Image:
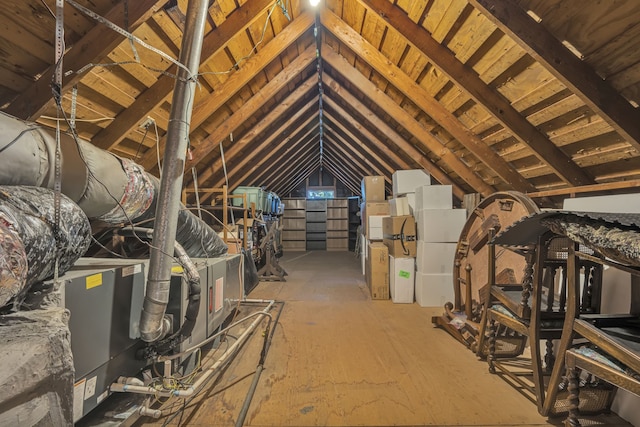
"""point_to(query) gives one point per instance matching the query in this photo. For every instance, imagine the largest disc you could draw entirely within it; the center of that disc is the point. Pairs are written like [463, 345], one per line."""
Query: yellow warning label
[94, 280]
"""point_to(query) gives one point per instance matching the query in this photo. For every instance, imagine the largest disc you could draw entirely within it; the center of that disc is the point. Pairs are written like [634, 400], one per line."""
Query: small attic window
[321, 193]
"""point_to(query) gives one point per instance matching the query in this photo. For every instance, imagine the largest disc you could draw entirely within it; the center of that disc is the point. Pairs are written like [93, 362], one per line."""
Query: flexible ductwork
[28, 238]
[106, 187]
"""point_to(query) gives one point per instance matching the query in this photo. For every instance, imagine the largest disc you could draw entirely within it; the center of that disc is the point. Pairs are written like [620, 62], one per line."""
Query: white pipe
[216, 335]
[119, 387]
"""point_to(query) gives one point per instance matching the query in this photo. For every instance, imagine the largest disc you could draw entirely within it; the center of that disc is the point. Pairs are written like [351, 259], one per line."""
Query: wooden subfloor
[340, 359]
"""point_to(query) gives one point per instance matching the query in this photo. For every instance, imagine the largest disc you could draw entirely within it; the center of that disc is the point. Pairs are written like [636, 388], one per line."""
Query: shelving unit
[354, 221]
[294, 225]
[337, 225]
[316, 215]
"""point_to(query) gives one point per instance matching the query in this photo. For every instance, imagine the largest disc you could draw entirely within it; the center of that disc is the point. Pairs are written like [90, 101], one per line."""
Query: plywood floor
[340, 359]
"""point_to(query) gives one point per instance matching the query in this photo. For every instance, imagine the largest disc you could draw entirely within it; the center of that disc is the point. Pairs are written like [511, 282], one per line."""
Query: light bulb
[314, 3]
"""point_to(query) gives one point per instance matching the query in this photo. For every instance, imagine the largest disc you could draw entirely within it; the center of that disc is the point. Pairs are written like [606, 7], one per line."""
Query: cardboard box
[434, 197]
[378, 271]
[372, 188]
[401, 279]
[435, 258]
[406, 181]
[399, 206]
[434, 290]
[440, 225]
[399, 234]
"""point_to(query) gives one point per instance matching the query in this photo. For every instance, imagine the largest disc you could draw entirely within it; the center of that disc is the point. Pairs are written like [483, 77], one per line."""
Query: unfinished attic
[319, 212]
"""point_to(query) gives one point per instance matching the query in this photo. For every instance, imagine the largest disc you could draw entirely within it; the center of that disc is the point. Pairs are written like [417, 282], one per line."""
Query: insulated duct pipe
[28, 236]
[168, 205]
[106, 187]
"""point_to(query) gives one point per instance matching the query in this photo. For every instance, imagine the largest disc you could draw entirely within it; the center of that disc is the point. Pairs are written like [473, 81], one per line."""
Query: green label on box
[404, 274]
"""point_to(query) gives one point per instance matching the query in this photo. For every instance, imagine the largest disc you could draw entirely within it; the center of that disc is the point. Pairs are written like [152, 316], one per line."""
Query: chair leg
[549, 358]
[574, 398]
[492, 346]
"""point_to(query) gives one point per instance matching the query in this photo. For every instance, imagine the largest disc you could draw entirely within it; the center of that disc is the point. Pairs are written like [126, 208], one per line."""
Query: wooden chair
[611, 351]
[537, 310]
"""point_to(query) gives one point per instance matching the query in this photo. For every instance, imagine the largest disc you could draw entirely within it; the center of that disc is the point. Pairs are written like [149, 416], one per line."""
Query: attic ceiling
[538, 96]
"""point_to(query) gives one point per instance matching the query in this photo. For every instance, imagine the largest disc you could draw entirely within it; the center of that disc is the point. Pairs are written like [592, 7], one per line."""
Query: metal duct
[28, 239]
[168, 205]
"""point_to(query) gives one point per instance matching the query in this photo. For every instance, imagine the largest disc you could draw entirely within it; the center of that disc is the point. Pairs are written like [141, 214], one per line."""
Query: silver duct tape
[137, 196]
[30, 212]
[13, 262]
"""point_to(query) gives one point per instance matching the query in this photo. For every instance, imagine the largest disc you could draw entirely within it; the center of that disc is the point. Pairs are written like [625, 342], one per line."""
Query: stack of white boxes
[402, 205]
[439, 227]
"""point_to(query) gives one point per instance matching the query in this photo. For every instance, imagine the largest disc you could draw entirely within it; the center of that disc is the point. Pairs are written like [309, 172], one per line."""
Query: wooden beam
[269, 52]
[283, 107]
[130, 118]
[414, 92]
[368, 115]
[361, 150]
[262, 149]
[250, 107]
[308, 161]
[91, 48]
[574, 73]
[466, 78]
[353, 156]
[338, 118]
[339, 174]
[350, 184]
[357, 171]
[273, 176]
[407, 121]
[608, 186]
[292, 149]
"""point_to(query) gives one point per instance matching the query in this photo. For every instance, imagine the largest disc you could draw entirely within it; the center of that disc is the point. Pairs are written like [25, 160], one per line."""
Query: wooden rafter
[410, 124]
[151, 98]
[538, 42]
[283, 107]
[409, 88]
[263, 149]
[275, 174]
[266, 174]
[391, 134]
[492, 100]
[252, 66]
[91, 48]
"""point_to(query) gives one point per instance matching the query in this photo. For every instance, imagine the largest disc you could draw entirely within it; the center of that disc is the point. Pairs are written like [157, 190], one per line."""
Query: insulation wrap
[137, 196]
[29, 213]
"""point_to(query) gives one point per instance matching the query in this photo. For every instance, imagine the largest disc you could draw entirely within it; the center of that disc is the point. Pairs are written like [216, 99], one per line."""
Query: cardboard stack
[439, 227]
[372, 210]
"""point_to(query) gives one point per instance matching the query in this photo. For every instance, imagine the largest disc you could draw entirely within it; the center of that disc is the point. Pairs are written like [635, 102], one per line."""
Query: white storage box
[434, 197]
[440, 225]
[399, 206]
[434, 290]
[406, 181]
[435, 258]
[374, 227]
[411, 198]
[619, 203]
[402, 279]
